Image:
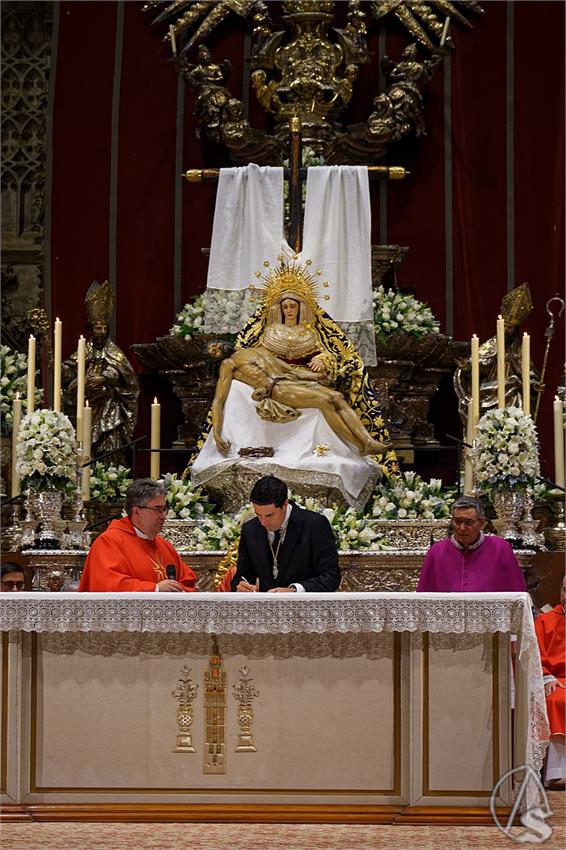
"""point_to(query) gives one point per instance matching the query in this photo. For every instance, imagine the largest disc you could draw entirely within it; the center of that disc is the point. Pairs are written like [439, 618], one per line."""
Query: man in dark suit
[285, 549]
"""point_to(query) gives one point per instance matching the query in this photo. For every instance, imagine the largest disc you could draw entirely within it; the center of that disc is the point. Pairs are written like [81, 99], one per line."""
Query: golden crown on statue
[289, 279]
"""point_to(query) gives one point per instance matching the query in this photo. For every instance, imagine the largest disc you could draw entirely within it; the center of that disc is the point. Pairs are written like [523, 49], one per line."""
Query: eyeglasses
[159, 510]
[13, 585]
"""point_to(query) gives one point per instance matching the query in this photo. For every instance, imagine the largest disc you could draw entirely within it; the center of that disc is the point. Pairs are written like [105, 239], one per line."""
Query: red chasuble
[119, 561]
[552, 644]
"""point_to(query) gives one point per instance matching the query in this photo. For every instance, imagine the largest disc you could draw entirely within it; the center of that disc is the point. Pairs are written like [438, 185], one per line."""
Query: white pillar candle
[81, 368]
[31, 375]
[468, 468]
[173, 42]
[57, 348]
[86, 450]
[558, 416]
[155, 442]
[500, 362]
[526, 373]
[16, 419]
[475, 383]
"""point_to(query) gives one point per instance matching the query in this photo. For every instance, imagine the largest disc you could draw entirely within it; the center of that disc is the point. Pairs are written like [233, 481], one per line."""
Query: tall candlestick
[81, 368]
[31, 375]
[86, 450]
[558, 416]
[468, 469]
[444, 32]
[475, 383]
[526, 373]
[500, 362]
[57, 348]
[155, 439]
[16, 419]
[173, 42]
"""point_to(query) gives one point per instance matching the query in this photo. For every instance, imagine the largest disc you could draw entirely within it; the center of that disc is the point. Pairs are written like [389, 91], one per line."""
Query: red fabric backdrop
[144, 123]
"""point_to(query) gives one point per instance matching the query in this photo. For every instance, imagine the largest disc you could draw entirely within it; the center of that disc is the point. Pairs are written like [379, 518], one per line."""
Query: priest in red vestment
[130, 555]
[550, 632]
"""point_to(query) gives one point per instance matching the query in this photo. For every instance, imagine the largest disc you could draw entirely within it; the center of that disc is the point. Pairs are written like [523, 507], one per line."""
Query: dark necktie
[275, 546]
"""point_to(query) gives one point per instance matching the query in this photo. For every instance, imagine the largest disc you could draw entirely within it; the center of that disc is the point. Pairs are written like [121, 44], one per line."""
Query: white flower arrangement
[190, 320]
[506, 450]
[13, 379]
[410, 497]
[394, 312]
[216, 532]
[46, 451]
[352, 529]
[108, 483]
[184, 500]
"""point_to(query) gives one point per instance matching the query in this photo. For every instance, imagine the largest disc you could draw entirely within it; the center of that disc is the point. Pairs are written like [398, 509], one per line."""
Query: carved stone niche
[191, 366]
[405, 378]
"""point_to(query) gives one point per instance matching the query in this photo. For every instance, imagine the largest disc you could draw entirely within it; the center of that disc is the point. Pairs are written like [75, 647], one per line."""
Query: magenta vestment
[490, 568]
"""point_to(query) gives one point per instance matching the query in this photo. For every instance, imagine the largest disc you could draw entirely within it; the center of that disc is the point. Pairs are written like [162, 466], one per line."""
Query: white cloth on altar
[294, 442]
[337, 237]
[247, 230]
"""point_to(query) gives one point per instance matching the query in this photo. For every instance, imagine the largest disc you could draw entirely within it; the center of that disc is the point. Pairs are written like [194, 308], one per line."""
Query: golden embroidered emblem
[320, 450]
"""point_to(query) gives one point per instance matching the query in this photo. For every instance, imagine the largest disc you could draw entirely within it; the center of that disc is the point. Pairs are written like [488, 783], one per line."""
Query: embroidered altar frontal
[383, 703]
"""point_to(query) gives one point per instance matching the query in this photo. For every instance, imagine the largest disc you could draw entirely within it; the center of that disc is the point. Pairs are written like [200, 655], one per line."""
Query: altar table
[368, 707]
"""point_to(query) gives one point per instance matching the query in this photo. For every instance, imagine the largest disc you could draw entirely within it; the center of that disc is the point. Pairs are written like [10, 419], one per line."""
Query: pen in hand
[249, 582]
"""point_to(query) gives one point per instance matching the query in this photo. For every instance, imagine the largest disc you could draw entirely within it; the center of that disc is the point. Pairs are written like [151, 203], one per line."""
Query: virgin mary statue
[294, 400]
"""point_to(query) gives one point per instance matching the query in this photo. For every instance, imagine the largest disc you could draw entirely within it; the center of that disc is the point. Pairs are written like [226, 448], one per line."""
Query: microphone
[460, 442]
[171, 572]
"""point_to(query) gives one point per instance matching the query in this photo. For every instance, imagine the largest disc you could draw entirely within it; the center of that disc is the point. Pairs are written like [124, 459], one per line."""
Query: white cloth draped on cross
[248, 230]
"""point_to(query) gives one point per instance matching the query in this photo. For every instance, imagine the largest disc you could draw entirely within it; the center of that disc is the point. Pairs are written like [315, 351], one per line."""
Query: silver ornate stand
[556, 536]
[509, 506]
[532, 539]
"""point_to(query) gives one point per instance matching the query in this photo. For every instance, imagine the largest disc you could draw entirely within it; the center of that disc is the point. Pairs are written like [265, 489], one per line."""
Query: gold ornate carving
[185, 693]
[304, 75]
[214, 713]
[244, 693]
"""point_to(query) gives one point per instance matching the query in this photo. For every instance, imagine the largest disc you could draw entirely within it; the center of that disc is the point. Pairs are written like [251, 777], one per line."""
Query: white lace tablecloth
[269, 613]
[283, 621]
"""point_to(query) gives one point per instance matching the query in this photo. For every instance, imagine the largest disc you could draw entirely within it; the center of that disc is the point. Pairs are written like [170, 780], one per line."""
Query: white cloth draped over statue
[248, 230]
[307, 455]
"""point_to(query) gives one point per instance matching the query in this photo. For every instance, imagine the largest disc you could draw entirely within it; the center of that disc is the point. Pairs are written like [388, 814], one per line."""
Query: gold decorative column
[214, 713]
[185, 692]
[244, 693]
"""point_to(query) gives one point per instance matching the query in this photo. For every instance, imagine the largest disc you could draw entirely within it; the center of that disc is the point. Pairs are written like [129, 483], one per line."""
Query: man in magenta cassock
[469, 560]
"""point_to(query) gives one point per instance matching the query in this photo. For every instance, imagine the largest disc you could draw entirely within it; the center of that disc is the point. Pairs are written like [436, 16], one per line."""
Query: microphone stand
[459, 444]
[113, 451]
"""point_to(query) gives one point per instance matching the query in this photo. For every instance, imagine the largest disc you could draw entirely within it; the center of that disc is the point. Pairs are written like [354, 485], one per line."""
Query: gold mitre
[290, 280]
[99, 302]
[517, 305]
